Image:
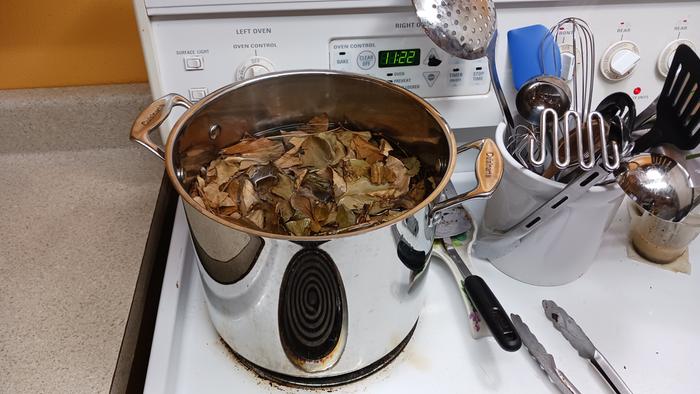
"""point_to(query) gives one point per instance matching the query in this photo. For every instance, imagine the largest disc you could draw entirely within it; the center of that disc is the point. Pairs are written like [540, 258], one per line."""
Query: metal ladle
[541, 93]
[659, 185]
[465, 29]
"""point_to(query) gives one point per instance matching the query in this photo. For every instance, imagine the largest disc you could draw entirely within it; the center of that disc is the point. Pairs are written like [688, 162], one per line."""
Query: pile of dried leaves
[311, 181]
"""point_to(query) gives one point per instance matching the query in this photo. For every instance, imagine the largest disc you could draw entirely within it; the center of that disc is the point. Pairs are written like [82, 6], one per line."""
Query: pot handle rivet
[214, 131]
[152, 117]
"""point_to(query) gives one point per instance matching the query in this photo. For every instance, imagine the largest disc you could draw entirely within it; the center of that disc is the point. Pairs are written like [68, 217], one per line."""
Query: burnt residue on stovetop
[327, 385]
[281, 386]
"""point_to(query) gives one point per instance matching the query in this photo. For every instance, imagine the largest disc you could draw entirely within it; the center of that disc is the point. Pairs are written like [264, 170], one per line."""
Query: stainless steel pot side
[380, 270]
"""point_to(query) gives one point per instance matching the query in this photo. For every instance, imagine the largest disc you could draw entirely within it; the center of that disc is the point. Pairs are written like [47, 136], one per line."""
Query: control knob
[619, 60]
[253, 67]
[663, 64]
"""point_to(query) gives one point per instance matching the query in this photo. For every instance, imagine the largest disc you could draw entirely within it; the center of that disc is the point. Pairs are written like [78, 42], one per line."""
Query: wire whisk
[583, 47]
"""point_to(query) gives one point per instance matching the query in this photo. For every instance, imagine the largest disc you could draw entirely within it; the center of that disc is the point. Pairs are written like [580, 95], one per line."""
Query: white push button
[365, 60]
[624, 61]
[197, 94]
[193, 63]
[431, 77]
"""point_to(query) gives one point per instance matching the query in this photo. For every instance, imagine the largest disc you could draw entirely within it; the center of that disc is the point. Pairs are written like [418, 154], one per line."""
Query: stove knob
[619, 60]
[253, 67]
[666, 56]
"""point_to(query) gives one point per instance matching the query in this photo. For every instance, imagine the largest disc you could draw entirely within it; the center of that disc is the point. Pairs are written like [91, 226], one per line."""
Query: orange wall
[75, 42]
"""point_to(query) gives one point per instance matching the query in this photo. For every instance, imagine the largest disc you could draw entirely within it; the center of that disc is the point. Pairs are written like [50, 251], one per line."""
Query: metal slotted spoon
[465, 29]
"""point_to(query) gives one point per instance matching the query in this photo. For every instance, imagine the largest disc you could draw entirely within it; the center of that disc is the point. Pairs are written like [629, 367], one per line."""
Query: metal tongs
[578, 339]
[583, 345]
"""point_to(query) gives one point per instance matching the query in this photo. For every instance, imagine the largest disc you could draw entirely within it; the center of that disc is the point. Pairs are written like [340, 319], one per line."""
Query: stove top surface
[639, 316]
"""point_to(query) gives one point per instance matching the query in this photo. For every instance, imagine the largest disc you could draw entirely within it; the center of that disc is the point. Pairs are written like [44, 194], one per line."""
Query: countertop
[77, 200]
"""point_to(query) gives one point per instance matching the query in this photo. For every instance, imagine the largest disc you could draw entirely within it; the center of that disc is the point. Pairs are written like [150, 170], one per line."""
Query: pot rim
[178, 128]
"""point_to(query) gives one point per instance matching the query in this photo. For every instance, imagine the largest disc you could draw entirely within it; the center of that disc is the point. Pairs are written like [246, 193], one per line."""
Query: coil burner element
[312, 311]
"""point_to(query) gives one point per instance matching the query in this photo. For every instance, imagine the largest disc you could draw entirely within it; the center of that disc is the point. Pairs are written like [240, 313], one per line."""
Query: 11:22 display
[399, 58]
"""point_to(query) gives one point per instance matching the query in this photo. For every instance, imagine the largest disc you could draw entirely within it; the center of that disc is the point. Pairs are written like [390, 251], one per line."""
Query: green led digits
[399, 58]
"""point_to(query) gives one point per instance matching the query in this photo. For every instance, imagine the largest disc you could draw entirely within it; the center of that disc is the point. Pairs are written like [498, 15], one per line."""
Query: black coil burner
[311, 306]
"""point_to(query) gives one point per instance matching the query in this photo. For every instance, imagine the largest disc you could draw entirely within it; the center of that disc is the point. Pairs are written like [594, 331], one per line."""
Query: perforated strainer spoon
[465, 29]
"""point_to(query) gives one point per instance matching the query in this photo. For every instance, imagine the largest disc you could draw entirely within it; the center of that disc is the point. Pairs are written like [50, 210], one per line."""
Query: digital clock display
[399, 58]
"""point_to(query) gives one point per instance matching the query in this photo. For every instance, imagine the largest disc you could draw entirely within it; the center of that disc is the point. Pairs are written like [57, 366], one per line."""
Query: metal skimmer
[465, 29]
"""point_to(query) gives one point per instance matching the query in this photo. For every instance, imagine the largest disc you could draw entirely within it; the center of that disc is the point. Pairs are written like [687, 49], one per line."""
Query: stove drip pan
[330, 381]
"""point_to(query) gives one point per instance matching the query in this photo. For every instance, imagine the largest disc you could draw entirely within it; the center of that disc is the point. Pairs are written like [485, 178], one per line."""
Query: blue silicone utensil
[533, 53]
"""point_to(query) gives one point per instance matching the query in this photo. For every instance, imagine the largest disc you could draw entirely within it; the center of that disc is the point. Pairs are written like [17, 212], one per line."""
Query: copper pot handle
[152, 117]
[488, 169]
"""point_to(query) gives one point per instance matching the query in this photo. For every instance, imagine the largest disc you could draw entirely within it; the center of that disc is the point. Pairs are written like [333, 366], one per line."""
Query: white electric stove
[641, 317]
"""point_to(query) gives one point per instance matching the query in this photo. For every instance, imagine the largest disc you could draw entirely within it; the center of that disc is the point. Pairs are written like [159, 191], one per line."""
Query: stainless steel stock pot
[305, 309]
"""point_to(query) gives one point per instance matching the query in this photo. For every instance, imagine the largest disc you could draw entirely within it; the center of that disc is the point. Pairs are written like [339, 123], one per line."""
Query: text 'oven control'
[619, 60]
[253, 67]
[663, 64]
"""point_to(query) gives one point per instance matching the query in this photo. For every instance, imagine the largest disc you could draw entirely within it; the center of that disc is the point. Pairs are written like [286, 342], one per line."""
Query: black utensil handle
[652, 138]
[492, 312]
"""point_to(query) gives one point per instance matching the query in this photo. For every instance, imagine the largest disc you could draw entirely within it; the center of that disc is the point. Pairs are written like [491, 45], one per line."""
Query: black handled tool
[483, 299]
[454, 221]
[677, 117]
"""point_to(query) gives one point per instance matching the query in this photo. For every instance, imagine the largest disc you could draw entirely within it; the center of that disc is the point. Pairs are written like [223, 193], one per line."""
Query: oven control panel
[413, 62]
[194, 51]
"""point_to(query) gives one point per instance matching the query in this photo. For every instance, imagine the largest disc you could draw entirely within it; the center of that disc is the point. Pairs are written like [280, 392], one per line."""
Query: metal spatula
[678, 108]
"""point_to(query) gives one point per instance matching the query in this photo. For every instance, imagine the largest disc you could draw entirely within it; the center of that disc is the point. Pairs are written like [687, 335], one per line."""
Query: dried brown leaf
[388, 175]
[339, 184]
[299, 227]
[302, 204]
[337, 148]
[346, 137]
[412, 164]
[257, 217]
[288, 161]
[384, 147]
[417, 192]
[233, 190]
[321, 212]
[402, 180]
[316, 124]
[296, 143]
[331, 217]
[284, 186]
[345, 217]
[315, 226]
[248, 196]
[284, 210]
[354, 169]
[300, 175]
[199, 201]
[376, 173]
[224, 170]
[362, 192]
[260, 149]
[214, 197]
[366, 150]
[319, 186]
[317, 153]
